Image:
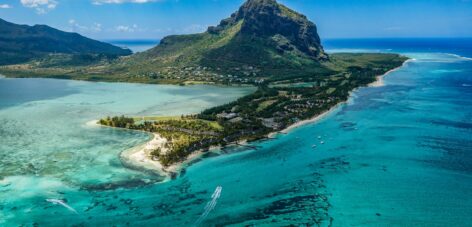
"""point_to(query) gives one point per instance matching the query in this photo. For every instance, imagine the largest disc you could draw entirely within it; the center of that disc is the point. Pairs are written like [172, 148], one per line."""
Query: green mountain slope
[262, 42]
[22, 43]
[263, 37]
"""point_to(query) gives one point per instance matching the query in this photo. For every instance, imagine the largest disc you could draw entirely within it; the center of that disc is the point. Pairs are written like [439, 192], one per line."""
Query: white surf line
[62, 203]
[210, 205]
[460, 57]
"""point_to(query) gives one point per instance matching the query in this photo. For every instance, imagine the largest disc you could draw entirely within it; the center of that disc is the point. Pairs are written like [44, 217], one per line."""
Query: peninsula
[263, 44]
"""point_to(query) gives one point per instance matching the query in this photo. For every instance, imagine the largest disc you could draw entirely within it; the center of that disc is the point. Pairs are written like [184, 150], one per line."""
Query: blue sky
[153, 19]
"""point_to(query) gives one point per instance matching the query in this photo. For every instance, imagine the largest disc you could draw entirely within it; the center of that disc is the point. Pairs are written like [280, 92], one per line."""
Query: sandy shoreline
[140, 156]
[379, 82]
[308, 121]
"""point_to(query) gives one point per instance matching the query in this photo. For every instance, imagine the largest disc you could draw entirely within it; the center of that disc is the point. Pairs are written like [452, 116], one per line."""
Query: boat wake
[210, 205]
[62, 203]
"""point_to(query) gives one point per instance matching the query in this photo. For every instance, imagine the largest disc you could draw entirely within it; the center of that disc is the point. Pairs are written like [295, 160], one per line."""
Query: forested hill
[22, 43]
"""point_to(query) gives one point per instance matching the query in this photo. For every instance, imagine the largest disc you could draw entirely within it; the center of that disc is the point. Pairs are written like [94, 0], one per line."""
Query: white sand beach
[308, 121]
[379, 82]
[140, 156]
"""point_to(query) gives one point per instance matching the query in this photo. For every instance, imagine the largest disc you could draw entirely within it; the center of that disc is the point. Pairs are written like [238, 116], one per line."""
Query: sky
[154, 19]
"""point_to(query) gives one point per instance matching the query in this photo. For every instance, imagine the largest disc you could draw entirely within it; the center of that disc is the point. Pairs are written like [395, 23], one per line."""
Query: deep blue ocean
[396, 155]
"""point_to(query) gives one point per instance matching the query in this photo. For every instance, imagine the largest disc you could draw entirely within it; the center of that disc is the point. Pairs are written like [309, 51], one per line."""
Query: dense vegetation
[22, 43]
[184, 134]
[119, 122]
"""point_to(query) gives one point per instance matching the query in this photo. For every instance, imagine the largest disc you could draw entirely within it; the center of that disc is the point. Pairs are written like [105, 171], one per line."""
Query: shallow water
[398, 155]
[49, 141]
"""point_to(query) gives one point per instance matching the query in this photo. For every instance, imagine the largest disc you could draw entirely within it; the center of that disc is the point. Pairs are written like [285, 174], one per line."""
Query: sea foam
[460, 57]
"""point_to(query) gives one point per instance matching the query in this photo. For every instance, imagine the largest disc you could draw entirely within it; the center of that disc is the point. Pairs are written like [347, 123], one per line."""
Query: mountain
[262, 35]
[21, 43]
[262, 42]
[282, 27]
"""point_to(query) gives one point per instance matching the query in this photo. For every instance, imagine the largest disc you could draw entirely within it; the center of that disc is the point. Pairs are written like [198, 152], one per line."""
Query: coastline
[308, 121]
[379, 82]
[139, 157]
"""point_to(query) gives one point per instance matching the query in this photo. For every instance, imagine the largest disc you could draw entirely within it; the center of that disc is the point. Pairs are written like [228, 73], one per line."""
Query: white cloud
[123, 28]
[193, 28]
[127, 28]
[5, 6]
[76, 27]
[96, 27]
[100, 2]
[41, 6]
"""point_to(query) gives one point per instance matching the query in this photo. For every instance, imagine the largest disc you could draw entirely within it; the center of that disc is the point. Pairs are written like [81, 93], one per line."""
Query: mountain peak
[257, 5]
[270, 20]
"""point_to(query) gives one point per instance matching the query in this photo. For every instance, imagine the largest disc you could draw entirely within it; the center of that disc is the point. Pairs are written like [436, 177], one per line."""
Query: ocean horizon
[461, 46]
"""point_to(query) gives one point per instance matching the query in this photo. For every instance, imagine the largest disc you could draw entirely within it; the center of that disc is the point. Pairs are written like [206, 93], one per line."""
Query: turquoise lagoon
[397, 155]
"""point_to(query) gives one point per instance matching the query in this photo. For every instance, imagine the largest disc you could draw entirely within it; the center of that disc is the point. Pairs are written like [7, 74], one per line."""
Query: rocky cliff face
[284, 27]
